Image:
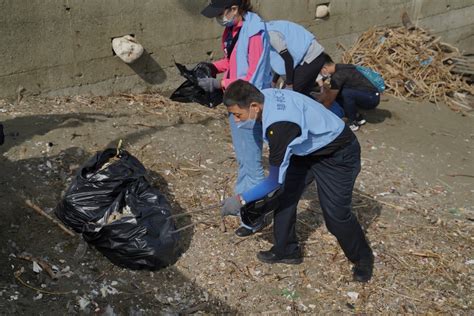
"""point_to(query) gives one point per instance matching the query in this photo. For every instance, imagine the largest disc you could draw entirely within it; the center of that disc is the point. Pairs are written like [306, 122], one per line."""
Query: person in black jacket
[351, 89]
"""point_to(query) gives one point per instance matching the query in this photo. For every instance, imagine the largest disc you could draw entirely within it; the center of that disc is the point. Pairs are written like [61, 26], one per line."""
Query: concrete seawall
[63, 47]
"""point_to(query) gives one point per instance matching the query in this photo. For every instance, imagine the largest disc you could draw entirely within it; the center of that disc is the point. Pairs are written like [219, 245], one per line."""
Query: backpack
[374, 77]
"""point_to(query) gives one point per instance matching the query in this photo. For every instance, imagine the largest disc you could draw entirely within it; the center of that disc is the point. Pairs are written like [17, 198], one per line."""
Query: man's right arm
[278, 42]
[329, 95]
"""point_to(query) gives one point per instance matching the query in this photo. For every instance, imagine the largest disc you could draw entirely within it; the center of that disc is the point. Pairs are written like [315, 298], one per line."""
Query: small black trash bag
[259, 214]
[116, 209]
[190, 91]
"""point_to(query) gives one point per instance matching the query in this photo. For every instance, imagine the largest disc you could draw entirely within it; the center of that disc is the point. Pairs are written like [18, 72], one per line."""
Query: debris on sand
[414, 64]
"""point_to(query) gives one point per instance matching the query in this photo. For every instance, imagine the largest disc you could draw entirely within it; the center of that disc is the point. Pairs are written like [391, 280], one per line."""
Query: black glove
[231, 206]
[209, 84]
[2, 135]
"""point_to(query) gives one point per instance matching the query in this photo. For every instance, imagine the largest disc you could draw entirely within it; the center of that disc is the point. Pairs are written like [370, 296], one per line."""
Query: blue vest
[319, 126]
[254, 25]
[298, 40]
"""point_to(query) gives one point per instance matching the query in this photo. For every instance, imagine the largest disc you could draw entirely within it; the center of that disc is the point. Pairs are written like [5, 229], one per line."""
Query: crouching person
[351, 89]
[303, 136]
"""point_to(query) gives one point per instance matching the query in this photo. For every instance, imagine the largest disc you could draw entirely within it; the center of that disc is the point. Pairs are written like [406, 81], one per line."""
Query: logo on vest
[280, 100]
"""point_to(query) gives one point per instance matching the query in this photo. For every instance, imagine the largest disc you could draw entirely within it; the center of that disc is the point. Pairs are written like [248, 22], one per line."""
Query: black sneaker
[270, 257]
[363, 269]
[243, 231]
[360, 120]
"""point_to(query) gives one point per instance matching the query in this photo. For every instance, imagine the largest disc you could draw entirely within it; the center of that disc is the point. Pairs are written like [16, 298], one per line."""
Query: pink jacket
[229, 66]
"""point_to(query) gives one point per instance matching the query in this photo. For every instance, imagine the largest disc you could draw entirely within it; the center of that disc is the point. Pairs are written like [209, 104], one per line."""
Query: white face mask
[224, 21]
[249, 123]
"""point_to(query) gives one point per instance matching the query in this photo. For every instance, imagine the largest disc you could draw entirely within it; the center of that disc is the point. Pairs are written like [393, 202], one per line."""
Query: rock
[127, 48]
[322, 11]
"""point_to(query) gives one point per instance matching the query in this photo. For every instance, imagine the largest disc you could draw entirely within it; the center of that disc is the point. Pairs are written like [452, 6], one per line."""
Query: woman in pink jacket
[246, 48]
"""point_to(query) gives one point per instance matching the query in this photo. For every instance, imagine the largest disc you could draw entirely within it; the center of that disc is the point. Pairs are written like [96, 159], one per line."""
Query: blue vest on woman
[298, 40]
[254, 25]
[319, 126]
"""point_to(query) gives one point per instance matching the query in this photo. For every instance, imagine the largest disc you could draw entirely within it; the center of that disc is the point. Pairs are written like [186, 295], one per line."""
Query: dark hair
[245, 7]
[327, 59]
[242, 93]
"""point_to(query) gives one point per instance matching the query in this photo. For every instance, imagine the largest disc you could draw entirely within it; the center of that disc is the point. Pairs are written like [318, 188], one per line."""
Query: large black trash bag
[115, 208]
[190, 91]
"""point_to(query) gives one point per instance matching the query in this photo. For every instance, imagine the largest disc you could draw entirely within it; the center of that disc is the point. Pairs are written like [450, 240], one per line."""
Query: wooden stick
[223, 226]
[38, 210]
[399, 208]
[17, 275]
[192, 225]
[460, 175]
[399, 294]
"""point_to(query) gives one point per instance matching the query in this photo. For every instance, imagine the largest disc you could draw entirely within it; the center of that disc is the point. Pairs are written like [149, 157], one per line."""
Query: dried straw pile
[414, 64]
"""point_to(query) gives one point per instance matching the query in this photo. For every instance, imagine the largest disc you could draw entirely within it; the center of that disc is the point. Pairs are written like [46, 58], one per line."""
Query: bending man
[303, 136]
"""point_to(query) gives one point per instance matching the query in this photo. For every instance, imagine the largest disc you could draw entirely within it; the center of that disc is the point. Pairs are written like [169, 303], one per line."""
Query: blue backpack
[374, 77]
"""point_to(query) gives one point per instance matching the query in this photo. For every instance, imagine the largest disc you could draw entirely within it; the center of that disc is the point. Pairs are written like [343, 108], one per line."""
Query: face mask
[223, 21]
[248, 124]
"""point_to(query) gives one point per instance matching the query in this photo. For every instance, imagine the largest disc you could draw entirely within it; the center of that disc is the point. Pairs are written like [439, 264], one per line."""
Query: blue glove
[231, 206]
[209, 84]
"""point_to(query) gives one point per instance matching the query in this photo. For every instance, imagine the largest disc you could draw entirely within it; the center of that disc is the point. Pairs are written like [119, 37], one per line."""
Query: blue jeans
[350, 99]
[337, 109]
[248, 151]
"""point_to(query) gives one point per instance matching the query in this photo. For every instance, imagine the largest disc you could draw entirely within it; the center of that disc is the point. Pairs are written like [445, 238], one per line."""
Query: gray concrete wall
[63, 47]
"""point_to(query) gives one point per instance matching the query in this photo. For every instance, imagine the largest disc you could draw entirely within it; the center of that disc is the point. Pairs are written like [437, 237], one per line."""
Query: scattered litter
[39, 265]
[109, 311]
[83, 303]
[81, 249]
[353, 295]
[108, 290]
[36, 267]
[38, 297]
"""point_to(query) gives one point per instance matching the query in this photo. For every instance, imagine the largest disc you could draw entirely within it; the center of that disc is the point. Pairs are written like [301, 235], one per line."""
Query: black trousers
[305, 75]
[335, 175]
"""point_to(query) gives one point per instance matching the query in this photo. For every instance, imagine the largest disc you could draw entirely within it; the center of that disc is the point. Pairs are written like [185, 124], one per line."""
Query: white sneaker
[360, 120]
[354, 126]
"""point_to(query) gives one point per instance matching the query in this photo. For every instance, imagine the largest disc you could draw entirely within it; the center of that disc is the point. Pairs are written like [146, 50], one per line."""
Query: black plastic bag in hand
[259, 214]
[2, 135]
[190, 91]
[115, 208]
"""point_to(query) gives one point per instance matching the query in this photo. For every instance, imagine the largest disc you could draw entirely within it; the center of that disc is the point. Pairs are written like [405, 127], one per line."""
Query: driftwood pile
[415, 65]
